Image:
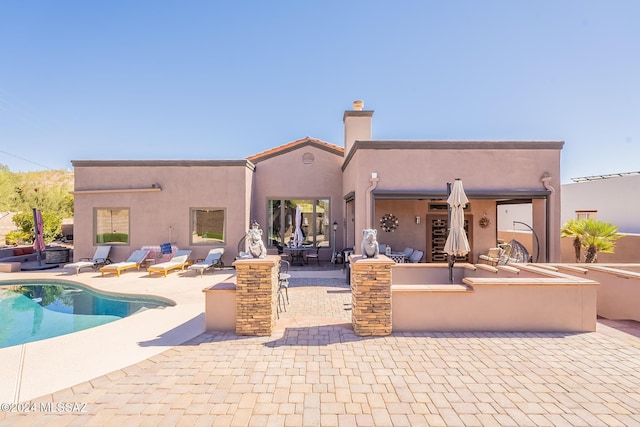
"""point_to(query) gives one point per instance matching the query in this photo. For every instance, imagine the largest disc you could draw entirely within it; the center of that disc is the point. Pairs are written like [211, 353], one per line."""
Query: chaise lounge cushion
[179, 261]
[135, 260]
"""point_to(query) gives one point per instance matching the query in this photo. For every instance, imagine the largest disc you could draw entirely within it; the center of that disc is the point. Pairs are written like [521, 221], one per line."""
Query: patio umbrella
[38, 241]
[298, 238]
[457, 243]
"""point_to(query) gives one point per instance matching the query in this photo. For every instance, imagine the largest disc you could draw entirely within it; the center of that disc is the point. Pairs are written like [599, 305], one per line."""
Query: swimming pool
[36, 310]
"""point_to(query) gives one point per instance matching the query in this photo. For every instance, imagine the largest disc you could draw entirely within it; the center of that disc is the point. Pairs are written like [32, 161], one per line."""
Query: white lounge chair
[214, 257]
[179, 261]
[100, 258]
[135, 260]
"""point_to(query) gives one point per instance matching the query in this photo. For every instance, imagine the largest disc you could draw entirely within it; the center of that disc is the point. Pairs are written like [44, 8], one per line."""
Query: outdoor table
[398, 257]
[297, 254]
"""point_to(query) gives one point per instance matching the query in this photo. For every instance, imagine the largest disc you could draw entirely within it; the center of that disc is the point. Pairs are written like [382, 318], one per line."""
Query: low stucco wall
[220, 306]
[540, 297]
[618, 295]
[492, 299]
[423, 273]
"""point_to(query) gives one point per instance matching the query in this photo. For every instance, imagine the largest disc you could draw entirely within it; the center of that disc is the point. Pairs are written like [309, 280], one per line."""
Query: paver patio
[315, 372]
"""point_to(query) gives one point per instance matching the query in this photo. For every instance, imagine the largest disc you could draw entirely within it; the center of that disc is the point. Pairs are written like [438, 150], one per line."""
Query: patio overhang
[440, 194]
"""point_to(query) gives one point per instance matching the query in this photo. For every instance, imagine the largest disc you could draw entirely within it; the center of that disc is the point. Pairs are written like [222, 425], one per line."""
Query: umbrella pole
[35, 228]
[450, 258]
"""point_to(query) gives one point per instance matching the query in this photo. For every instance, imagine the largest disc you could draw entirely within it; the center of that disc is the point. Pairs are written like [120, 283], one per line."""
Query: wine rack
[437, 229]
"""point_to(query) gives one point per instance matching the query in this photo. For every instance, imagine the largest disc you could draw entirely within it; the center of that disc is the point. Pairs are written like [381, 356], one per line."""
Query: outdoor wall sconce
[374, 175]
[334, 256]
[417, 220]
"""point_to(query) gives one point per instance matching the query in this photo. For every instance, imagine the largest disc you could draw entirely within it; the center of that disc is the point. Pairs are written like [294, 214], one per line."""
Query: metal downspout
[374, 183]
[546, 182]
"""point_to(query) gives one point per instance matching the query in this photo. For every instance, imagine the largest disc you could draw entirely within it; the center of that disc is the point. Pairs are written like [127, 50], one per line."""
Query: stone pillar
[371, 295]
[256, 295]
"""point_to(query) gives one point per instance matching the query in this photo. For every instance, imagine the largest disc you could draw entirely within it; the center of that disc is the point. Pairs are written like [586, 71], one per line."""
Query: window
[591, 214]
[207, 226]
[112, 225]
[314, 222]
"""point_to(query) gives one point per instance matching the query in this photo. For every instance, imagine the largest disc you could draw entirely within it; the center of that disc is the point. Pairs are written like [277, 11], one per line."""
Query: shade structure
[457, 243]
[298, 237]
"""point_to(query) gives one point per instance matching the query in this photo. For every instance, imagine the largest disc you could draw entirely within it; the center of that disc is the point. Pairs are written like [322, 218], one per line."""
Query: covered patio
[422, 220]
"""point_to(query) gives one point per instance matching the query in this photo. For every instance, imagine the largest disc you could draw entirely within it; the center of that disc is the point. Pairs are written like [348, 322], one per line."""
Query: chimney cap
[358, 105]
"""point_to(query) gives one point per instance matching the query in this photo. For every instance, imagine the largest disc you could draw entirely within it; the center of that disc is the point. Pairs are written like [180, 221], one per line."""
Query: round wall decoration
[389, 222]
[484, 222]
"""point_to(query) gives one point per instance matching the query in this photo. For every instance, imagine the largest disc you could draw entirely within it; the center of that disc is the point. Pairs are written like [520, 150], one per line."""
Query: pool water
[36, 311]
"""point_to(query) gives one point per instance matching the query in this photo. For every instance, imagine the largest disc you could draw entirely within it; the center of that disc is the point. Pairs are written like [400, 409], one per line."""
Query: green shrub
[52, 225]
[17, 237]
[112, 238]
[217, 236]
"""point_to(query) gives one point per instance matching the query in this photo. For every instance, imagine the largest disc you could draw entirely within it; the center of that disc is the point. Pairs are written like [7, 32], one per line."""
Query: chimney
[357, 125]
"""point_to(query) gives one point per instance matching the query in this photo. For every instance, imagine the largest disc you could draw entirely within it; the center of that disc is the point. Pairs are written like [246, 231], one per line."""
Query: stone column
[256, 295]
[371, 295]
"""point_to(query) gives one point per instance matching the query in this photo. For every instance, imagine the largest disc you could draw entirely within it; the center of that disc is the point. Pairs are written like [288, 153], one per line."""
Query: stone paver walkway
[315, 372]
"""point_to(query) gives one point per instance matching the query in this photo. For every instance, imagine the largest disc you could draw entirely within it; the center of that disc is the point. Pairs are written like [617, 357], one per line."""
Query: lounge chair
[213, 258]
[408, 251]
[492, 257]
[416, 256]
[179, 261]
[100, 258]
[135, 260]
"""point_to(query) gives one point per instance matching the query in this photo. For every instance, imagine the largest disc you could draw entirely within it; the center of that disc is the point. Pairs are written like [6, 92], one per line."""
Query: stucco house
[604, 197]
[200, 204]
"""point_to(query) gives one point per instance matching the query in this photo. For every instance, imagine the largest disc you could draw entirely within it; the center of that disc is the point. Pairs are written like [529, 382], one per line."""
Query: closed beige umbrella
[457, 243]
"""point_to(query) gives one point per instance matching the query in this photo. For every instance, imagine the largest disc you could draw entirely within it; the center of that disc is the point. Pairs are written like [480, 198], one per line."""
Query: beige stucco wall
[484, 166]
[286, 176]
[627, 249]
[497, 307]
[619, 289]
[483, 298]
[161, 216]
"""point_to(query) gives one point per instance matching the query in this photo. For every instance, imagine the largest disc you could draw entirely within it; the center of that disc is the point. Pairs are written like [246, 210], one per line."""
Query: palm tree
[598, 237]
[574, 228]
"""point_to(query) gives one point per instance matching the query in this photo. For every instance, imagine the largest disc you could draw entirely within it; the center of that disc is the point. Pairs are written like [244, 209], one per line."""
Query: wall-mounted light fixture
[417, 220]
[374, 175]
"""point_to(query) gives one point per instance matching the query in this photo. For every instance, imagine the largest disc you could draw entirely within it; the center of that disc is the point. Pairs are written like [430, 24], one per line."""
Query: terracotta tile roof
[295, 145]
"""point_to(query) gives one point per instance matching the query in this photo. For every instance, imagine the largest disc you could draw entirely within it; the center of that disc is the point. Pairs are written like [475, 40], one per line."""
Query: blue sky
[227, 79]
